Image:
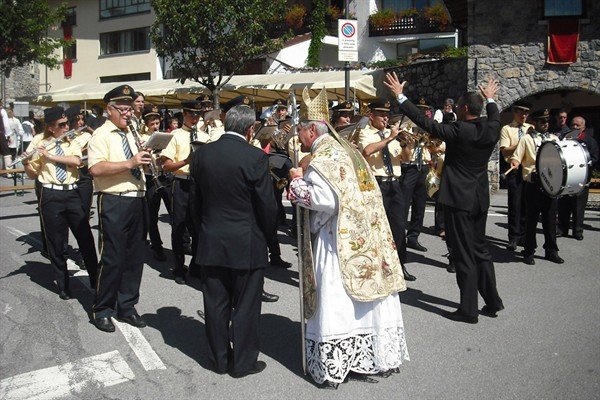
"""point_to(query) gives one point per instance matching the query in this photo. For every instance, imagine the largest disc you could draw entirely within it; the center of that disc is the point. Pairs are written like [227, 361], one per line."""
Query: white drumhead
[550, 168]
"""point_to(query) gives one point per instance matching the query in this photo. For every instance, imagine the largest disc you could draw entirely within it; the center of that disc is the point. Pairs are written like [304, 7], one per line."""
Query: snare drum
[563, 167]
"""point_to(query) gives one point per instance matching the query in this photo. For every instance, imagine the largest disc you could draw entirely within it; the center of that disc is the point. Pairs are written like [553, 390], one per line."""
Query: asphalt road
[544, 345]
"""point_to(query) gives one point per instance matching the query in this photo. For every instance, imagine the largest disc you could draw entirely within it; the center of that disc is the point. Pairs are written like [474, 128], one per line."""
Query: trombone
[69, 135]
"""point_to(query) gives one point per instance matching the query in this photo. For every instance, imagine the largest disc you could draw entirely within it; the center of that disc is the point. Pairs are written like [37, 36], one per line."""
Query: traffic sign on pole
[347, 40]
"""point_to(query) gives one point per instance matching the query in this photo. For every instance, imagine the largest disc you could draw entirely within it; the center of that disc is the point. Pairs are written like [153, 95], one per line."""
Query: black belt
[183, 177]
[413, 164]
[382, 179]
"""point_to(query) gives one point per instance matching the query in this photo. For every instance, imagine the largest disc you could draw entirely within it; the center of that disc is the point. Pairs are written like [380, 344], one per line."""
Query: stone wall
[512, 44]
[435, 80]
[22, 84]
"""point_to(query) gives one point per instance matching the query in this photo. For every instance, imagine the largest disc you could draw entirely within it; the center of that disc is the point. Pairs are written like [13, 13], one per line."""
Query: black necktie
[387, 157]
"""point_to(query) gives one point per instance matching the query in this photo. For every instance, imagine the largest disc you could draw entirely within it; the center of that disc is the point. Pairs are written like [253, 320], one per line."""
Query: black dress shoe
[64, 295]
[490, 312]
[529, 260]
[180, 280]
[512, 245]
[415, 245]
[450, 268]
[579, 236]
[555, 258]
[559, 233]
[269, 298]
[460, 317]
[407, 275]
[278, 262]
[104, 324]
[133, 320]
[258, 367]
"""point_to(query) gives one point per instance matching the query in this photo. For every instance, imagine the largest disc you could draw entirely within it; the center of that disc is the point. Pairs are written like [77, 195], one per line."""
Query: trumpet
[153, 167]
[69, 135]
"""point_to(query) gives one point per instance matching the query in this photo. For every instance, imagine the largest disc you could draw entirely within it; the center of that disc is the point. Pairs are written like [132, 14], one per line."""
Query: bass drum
[563, 167]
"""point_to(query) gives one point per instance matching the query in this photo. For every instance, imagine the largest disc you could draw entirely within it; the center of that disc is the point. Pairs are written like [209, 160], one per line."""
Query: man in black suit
[237, 211]
[464, 192]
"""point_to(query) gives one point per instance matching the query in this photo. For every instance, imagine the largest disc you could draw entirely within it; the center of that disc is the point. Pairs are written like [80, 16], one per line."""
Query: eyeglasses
[123, 110]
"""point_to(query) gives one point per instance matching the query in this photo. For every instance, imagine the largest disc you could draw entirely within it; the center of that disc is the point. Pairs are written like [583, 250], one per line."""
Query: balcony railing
[409, 25]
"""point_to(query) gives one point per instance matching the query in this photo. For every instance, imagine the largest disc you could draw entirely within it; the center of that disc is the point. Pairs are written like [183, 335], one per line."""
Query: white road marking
[134, 337]
[103, 370]
[140, 346]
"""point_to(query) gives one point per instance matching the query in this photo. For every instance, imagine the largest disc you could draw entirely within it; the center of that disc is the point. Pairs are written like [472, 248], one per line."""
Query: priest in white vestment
[352, 309]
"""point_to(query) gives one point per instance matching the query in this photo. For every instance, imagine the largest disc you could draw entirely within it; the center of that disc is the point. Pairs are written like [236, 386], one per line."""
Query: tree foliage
[318, 33]
[210, 41]
[23, 33]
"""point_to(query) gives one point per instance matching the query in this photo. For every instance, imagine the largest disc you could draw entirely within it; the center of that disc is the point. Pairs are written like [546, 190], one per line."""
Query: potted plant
[409, 13]
[382, 19]
[294, 18]
[438, 15]
[333, 13]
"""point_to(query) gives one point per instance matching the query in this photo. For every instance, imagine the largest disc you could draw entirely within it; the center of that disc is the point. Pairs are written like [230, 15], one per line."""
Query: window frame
[582, 15]
[124, 7]
[143, 31]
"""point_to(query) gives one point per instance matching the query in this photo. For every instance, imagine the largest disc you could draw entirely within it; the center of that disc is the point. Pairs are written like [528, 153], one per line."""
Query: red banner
[563, 37]
[68, 67]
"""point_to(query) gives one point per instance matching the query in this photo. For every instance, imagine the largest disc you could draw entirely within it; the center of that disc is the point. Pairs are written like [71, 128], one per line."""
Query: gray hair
[320, 127]
[239, 119]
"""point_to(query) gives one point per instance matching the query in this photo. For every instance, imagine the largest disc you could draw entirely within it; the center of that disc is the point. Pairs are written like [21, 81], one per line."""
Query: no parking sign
[347, 40]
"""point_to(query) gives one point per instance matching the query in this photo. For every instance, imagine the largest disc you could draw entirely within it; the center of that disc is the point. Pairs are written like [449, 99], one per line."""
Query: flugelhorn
[69, 135]
[280, 183]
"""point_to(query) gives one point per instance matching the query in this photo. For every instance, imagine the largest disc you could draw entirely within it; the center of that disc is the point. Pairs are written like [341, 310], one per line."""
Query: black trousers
[153, 198]
[539, 202]
[232, 304]
[415, 195]
[85, 188]
[396, 210]
[516, 205]
[61, 210]
[38, 193]
[438, 217]
[121, 255]
[183, 220]
[574, 205]
[465, 234]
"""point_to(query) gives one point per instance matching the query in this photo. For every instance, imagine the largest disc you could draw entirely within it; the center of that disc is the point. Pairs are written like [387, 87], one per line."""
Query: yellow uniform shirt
[509, 136]
[178, 149]
[210, 133]
[370, 135]
[526, 153]
[47, 170]
[106, 145]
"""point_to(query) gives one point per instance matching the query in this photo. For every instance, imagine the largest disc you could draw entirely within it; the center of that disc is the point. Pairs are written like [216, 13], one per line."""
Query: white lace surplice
[344, 334]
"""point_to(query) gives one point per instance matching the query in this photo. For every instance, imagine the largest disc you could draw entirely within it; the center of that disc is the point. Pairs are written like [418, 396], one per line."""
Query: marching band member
[151, 123]
[59, 203]
[342, 114]
[575, 205]
[383, 152]
[415, 167]
[536, 200]
[114, 161]
[176, 158]
[509, 138]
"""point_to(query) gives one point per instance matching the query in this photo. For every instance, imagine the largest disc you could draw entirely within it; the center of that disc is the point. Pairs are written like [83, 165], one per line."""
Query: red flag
[563, 37]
